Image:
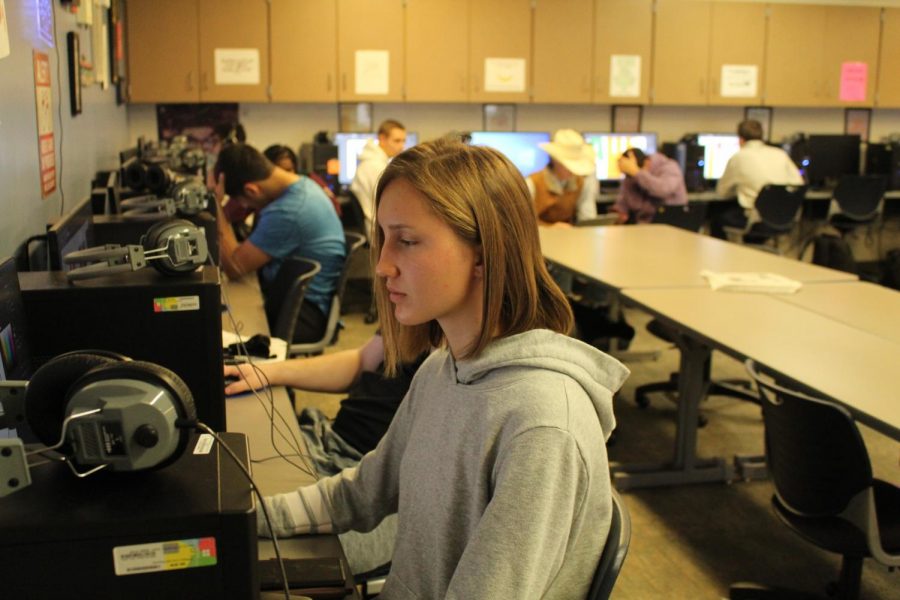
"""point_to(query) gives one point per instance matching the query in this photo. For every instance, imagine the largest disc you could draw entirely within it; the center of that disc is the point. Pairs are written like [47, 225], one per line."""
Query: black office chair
[824, 488]
[690, 216]
[858, 200]
[779, 208]
[284, 296]
[354, 242]
[614, 551]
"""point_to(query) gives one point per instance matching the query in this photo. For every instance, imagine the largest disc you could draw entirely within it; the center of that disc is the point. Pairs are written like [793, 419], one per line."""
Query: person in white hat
[565, 191]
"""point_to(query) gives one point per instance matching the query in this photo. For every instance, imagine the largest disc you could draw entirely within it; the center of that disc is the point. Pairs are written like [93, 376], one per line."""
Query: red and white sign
[44, 103]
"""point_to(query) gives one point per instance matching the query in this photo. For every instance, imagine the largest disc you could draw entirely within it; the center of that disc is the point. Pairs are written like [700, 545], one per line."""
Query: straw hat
[570, 149]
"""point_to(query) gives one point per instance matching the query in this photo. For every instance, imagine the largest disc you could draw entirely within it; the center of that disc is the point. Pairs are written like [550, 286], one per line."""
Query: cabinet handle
[713, 86]
[328, 83]
[343, 82]
[203, 82]
[190, 81]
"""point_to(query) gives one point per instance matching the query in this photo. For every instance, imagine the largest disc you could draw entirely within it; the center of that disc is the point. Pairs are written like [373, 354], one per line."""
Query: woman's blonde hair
[480, 194]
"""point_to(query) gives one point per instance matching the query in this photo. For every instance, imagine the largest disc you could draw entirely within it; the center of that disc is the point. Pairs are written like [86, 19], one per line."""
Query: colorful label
[176, 304]
[165, 556]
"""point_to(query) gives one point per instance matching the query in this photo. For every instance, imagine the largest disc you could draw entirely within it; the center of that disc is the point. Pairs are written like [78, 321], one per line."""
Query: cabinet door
[367, 28]
[303, 42]
[562, 51]
[681, 51]
[500, 29]
[437, 51]
[889, 66]
[738, 39]
[234, 50]
[851, 36]
[794, 73]
[622, 28]
[162, 43]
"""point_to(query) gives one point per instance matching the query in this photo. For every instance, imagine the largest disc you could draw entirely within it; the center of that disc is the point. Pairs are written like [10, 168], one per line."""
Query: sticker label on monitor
[176, 304]
[204, 444]
[165, 556]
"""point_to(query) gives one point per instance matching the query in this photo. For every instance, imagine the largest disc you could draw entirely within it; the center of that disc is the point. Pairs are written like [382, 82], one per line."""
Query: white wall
[84, 144]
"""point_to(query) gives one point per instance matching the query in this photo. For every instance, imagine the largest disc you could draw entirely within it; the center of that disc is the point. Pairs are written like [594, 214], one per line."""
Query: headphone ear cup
[48, 391]
[157, 237]
[157, 375]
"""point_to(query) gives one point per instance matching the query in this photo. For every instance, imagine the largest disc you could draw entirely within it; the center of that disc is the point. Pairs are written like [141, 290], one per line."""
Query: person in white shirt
[372, 161]
[754, 166]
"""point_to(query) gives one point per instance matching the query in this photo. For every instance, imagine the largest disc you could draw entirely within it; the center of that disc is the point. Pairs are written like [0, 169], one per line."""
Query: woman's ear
[478, 272]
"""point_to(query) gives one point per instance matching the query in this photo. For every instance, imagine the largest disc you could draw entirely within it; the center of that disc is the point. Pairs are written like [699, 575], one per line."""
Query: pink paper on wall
[854, 79]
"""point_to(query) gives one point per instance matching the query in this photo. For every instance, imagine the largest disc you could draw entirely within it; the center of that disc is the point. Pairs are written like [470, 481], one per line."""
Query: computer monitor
[830, 156]
[608, 147]
[74, 231]
[350, 145]
[718, 149]
[15, 358]
[520, 147]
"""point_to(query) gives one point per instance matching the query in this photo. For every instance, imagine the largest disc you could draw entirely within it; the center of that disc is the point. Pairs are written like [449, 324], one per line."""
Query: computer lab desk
[654, 267]
[246, 414]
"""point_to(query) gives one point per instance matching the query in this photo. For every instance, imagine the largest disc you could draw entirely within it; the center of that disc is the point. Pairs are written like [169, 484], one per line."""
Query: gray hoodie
[497, 467]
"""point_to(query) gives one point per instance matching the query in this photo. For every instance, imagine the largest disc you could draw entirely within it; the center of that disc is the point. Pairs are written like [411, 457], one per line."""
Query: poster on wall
[44, 104]
[4, 32]
[45, 21]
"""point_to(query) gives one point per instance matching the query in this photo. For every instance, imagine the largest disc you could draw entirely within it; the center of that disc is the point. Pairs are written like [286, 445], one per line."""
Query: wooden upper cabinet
[500, 29]
[889, 66]
[681, 48]
[367, 29]
[437, 51]
[303, 42]
[737, 42]
[163, 64]
[562, 51]
[811, 47]
[624, 29]
[234, 50]
[851, 36]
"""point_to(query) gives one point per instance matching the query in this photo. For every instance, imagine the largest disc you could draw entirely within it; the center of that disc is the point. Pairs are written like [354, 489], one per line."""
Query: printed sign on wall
[44, 104]
[4, 32]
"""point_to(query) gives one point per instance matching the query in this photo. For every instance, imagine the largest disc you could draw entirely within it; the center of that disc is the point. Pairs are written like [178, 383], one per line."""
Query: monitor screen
[74, 231]
[608, 147]
[520, 147]
[349, 146]
[15, 359]
[830, 156]
[718, 149]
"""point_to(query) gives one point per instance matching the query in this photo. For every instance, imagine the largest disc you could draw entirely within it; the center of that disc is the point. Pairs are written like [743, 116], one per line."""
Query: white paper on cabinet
[237, 66]
[504, 74]
[372, 72]
[4, 31]
[625, 75]
[739, 81]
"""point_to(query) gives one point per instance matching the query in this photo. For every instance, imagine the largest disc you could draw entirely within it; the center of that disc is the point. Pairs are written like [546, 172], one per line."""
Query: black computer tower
[185, 531]
[117, 229]
[694, 155]
[884, 159]
[172, 321]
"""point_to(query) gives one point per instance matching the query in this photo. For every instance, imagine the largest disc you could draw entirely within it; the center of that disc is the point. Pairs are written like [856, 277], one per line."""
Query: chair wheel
[702, 420]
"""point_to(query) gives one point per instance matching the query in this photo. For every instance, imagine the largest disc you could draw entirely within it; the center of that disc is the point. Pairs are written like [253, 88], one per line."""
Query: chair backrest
[815, 454]
[614, 551]
[689, 216]
[779, 205]
[354, 241]
[284, 295]
[859, 196]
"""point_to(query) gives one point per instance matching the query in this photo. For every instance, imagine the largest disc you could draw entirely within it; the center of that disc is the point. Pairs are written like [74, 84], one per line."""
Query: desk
[247, 415]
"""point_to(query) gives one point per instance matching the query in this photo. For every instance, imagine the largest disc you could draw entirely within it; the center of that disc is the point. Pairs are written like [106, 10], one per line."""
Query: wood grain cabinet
[809, 47]
[303, 40]
[562, 53]
[737, 41]
[680, 51]
[366, 30]
[499, 29]
[437, 51]
[192, 50]
[622, 28]
[888, 95]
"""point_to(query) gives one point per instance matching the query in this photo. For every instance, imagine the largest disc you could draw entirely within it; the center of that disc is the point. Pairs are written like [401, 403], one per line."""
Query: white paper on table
[373, 69]
[739, 81]
[504, 74]
[625, 75]
[236, 66]
[767, 283]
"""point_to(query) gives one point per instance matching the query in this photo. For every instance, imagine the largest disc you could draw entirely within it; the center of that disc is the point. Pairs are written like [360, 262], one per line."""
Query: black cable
[62, 193]
[205, 428]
